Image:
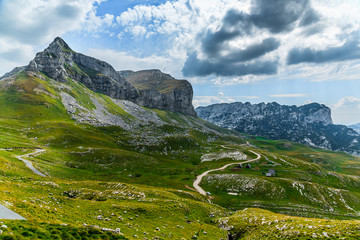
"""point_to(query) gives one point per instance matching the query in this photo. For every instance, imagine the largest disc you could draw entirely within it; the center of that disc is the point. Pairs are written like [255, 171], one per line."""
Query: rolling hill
[118, 170]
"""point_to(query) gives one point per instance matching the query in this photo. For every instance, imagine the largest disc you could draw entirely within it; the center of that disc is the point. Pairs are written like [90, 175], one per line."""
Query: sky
[292, 52]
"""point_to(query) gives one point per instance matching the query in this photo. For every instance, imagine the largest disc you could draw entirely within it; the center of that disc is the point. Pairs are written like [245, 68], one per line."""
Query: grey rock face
[13, 72]
[161, 91]
[59, 62]
[309, 124]
[100, 116]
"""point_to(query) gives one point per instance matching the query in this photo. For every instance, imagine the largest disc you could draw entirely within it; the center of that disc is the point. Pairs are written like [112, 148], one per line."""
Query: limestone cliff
[310, 124]
[162, 91]
[150, 88]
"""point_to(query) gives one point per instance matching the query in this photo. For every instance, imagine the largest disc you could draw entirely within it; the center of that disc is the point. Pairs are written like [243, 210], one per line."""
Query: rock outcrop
[161, 91]
[149, 88]
[59, 62]
[309, 124]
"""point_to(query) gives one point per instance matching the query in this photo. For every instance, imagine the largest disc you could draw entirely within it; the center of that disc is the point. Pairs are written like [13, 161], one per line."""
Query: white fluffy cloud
[124, 61]
[27, 24]
[186, 22]
[346, 101]
[346, 110]
[34, 21]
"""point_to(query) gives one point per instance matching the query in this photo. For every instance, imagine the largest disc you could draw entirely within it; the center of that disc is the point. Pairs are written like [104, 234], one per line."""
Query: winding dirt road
[29, 164]
[6, 213]
[200, 177]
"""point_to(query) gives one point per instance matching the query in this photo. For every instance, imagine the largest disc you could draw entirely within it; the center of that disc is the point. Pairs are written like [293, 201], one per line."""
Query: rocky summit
[161, 91]
[151, 88]
[310, 124]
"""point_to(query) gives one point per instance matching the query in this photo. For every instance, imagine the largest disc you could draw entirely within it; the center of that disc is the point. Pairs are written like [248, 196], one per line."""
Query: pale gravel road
[200, 177]
[29, 164]
[6, 213]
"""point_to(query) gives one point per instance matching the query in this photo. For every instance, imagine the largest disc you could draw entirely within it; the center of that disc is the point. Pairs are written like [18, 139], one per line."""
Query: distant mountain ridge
[310, 124]
[60, 62]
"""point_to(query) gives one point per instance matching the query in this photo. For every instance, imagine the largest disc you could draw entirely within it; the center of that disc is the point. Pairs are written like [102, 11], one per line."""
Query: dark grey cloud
[273, 16]
[310, 17]
[235, 24]
[213, 43]
[253, 51]
[281, 16]
[349, 51]
[14, 55]
[67, 11]
[197, 67]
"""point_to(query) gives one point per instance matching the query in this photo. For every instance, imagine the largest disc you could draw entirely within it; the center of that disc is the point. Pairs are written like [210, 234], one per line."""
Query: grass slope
[136, 179]
[261, 224]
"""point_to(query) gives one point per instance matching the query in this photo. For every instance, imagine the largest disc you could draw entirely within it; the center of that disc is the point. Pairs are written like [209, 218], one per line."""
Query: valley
[76, 161]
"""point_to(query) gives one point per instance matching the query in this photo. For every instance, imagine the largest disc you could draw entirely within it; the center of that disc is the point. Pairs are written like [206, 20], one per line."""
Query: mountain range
[310, 124]
[148, 88]
[117, 155]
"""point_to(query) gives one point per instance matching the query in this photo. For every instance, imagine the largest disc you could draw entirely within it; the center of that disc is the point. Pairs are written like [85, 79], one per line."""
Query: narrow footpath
[6, 213]
[200, 177]
[29, 164]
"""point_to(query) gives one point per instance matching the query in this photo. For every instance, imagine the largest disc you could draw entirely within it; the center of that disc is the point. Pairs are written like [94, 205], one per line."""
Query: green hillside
[133, 168]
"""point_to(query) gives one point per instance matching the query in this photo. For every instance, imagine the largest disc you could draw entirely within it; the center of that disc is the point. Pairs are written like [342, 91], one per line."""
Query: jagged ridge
[309, 124]
[60, 62]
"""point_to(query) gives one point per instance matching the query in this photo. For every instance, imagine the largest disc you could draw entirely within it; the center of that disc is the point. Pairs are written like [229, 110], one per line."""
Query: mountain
[60, 63]
[113, 169]
[310, 124]
[161, 91]
[356, 127]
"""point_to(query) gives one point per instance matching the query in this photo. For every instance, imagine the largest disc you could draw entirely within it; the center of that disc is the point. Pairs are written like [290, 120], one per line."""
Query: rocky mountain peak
[149, 88]
[58, 45]
[161, 90]
[317, 113]
[310, 124]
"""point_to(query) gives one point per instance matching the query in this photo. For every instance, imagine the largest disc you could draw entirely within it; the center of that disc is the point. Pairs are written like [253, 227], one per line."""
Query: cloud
[288, 95]
[253, 51]
[224, 47]
[282, 16]
[346, 110]
[31, 22]
[138, 31]
[348, 51]
[197, 67]
[13, 54]
[346, 101]
[309, 17]
[125, 61]
[96, 23]
[26, 25]
[208, 100]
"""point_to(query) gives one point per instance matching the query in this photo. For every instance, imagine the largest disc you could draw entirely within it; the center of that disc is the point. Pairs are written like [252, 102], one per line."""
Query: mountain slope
[60, 62]
[309, 124]
[110, 164]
